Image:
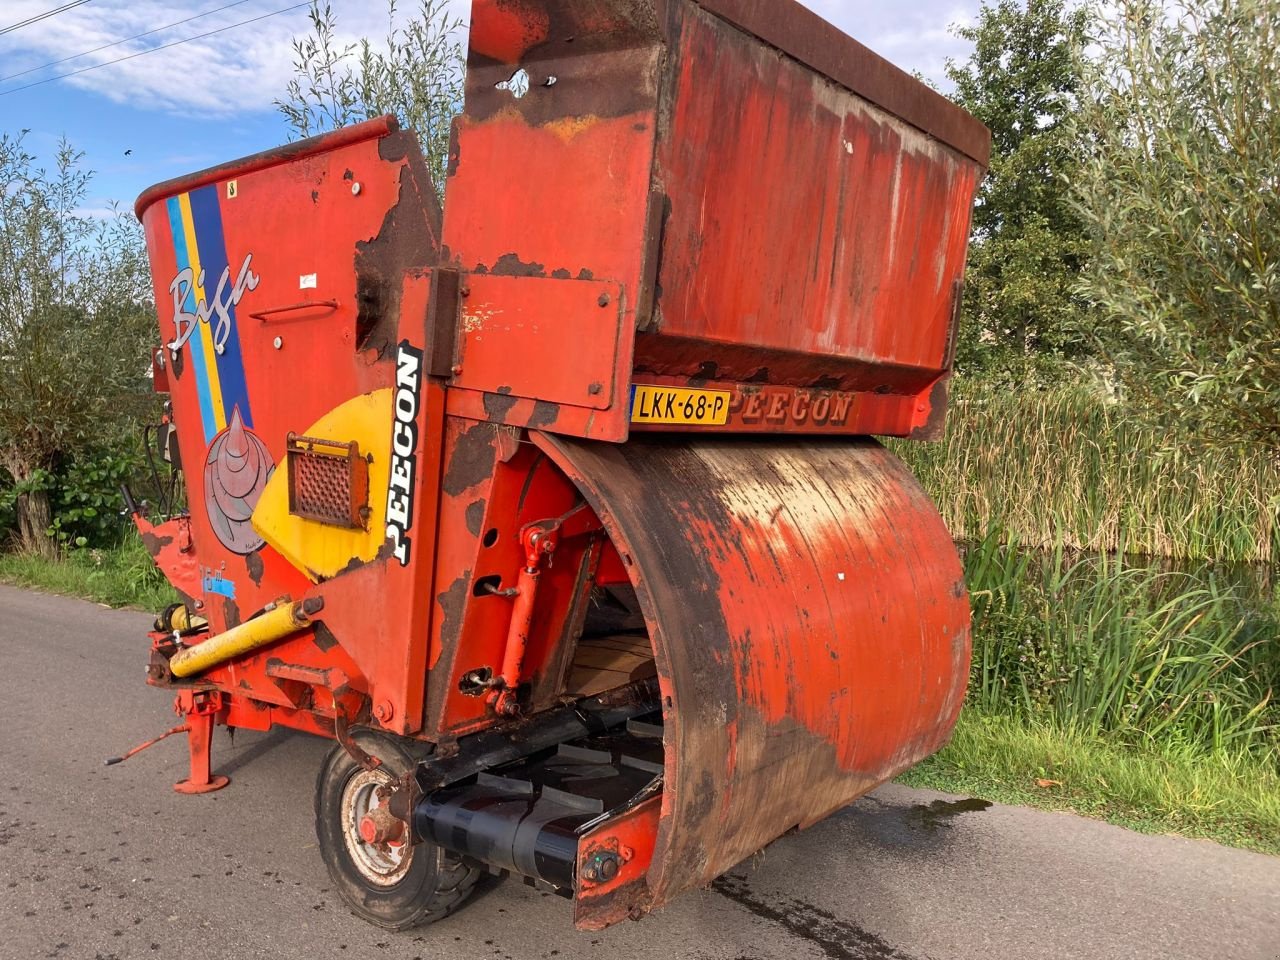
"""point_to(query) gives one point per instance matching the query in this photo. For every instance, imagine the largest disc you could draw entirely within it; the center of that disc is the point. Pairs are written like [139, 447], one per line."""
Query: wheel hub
[376, 848]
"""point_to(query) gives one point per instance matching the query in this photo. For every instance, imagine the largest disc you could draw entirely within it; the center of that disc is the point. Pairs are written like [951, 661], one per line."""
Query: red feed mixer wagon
[556, 508]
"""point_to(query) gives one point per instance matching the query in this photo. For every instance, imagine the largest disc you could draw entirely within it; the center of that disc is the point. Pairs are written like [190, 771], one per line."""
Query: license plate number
[679, 406]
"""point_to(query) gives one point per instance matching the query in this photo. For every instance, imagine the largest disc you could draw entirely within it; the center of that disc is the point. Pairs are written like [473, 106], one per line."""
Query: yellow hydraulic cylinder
[283, 619]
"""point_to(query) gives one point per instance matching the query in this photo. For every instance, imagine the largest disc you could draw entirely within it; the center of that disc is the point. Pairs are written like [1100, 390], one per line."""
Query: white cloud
[245, 68]
[241, 69]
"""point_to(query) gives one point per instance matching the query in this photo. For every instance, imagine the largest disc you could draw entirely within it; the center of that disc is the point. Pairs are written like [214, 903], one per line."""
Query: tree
[75, 327]
[1181, 192]
[1023, 317]
[416, 74]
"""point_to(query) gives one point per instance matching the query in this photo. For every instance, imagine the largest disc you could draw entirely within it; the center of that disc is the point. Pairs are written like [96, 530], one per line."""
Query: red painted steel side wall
[349, 223]
[802, 222]
[318, 359]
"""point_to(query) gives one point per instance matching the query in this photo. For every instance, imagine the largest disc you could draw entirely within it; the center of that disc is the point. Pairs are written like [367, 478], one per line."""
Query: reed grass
[1068, 465]
[1101, 647]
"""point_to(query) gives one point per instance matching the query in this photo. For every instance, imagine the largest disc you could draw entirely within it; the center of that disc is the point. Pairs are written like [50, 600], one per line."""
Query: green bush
[87, 502]
[85, 496]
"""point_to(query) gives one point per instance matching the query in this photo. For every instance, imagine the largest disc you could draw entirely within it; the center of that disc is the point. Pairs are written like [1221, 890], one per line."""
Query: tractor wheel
[394, 887]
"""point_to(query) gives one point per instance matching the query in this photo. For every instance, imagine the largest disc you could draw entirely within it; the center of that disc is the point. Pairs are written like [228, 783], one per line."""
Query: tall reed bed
[1127, 653]
[1068, 466]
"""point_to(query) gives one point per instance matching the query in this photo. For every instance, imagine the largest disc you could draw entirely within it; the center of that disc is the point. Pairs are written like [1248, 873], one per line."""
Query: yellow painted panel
[317, 549]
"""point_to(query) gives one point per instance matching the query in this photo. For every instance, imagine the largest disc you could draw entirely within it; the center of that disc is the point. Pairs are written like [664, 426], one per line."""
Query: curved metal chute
[810, 627]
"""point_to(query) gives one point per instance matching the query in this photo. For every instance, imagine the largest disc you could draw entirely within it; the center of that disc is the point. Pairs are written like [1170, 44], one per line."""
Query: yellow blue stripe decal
[205, 295]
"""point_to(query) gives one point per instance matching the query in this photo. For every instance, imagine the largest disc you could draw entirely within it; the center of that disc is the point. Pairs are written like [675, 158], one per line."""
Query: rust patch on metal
[230, 613]
[475, 517]
[408, 238]
[556, 40]
[453, 603]
[510, 265]
[254, 566]
[471, 461]
[544, 414]
[324, 638]
[935, 427]
[498, 405]
[154, 544]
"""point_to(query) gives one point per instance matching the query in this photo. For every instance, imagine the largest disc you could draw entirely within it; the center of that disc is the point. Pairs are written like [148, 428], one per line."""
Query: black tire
[425, 885]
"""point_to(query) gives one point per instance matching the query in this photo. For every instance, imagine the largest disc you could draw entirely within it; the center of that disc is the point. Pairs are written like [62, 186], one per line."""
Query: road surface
[108, 862]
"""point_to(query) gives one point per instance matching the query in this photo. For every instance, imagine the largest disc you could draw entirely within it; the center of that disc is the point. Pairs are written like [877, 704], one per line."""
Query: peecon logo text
[404, 451]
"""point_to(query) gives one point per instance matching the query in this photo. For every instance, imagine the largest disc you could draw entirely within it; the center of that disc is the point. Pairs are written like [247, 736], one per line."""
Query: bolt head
[278, 342]
[355, 189]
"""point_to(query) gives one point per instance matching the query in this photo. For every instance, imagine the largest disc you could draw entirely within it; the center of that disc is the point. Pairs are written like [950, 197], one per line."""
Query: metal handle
[295, 308]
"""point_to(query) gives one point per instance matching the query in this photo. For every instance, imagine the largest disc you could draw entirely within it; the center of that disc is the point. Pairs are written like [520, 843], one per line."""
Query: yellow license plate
[679, 405]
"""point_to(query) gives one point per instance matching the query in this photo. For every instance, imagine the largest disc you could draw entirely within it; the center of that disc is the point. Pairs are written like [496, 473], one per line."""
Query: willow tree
[415, 71]
[75, 327]
[1180, 185]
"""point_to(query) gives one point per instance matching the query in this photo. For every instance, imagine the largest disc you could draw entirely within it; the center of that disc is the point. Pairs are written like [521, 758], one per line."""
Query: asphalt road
[100, 863]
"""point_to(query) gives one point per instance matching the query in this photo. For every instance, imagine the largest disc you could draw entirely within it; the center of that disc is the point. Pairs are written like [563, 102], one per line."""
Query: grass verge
[122, 576]
[1231, 799]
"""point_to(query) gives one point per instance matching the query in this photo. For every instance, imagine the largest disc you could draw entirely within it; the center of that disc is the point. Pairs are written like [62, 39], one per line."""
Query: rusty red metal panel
[623, 843]
[810, 624]
[798, 221]
[173, 551]
[802, 34]
[556, 184]
[325, 143]
[229, 352]
[494, 485]
[812, 238]
[514, 332]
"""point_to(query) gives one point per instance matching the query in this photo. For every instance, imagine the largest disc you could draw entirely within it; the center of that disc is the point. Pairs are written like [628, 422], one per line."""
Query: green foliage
[1229, 798]
[415, 73]
[119, 576]
[1181, 118]
[87, 503]
[1022, 318]
[1131, 654]
[1072, 465]
[75, 327]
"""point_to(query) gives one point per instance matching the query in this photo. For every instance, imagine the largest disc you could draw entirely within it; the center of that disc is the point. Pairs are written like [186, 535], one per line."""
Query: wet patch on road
[838, 939]
[932, 816]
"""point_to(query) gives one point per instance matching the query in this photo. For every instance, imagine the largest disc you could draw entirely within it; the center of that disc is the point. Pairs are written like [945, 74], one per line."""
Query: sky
[178, 110]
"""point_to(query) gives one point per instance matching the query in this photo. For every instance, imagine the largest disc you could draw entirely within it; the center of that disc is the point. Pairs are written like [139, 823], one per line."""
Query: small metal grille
[328, 482]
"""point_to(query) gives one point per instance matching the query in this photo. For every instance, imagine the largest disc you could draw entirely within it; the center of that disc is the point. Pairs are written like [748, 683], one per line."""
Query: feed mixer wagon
[554, 504]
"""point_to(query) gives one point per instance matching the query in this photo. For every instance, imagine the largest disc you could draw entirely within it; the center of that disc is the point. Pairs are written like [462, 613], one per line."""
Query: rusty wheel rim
[381, 864]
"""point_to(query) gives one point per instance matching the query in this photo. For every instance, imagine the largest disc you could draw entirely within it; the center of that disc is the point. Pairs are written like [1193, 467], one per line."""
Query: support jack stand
[201, 710]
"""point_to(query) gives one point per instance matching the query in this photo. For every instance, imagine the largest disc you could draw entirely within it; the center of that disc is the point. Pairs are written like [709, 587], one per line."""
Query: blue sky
[175, 111]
